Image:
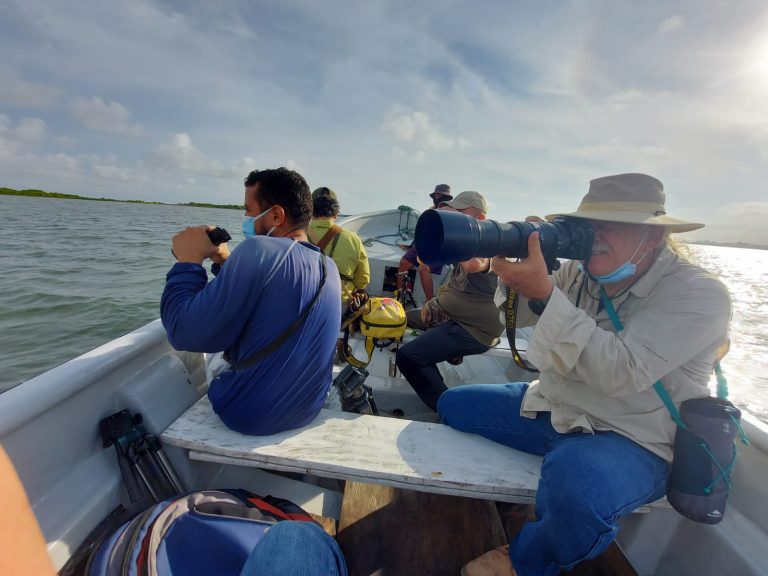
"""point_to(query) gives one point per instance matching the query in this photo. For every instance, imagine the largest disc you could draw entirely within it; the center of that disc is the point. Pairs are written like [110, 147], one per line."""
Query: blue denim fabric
[295, 549]
[588, 481]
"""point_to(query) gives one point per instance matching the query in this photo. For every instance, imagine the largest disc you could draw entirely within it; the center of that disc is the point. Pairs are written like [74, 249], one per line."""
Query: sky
[523, 101]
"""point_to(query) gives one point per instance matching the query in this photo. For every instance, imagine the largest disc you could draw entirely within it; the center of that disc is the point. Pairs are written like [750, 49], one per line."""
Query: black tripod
[140, 457]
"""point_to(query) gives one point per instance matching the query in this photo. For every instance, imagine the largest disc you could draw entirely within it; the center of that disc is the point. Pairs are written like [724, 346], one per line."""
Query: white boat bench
[421, 456]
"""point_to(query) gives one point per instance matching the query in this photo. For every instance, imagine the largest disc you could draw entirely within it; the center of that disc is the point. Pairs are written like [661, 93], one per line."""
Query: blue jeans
[588, 481]
[292, 548]
[418, 359]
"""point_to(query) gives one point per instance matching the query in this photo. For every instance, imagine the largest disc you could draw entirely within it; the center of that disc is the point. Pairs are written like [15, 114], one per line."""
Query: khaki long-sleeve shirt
[675, 318]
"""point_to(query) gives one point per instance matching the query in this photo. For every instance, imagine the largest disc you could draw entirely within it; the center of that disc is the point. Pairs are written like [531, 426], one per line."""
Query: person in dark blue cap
[441, 194]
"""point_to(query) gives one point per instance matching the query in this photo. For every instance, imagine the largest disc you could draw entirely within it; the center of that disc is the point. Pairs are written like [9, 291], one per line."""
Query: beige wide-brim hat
[629, 198]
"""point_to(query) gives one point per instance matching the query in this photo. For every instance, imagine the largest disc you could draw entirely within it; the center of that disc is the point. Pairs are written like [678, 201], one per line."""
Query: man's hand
[193, 245]
[528, 277]
[222, 253]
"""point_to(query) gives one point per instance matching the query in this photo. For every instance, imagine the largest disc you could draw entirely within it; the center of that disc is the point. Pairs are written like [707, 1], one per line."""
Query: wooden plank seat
[422, 456]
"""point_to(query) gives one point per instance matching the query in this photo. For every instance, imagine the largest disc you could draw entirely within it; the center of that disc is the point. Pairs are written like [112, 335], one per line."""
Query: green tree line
[44, 194]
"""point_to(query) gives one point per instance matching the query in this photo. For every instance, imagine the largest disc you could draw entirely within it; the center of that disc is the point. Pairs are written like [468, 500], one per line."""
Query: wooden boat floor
[385, 530]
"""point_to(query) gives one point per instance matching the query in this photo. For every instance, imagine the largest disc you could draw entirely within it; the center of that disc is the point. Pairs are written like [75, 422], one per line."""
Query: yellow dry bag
[381, 319]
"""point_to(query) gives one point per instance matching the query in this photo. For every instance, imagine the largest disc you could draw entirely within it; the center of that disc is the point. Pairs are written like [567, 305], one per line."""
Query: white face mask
[249, 231]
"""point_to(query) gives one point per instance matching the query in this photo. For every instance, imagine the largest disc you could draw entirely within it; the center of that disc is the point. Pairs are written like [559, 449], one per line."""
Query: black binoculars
[219, 236]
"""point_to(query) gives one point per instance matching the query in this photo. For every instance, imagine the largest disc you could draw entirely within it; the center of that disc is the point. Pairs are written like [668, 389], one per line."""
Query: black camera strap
[510, 315]
[280, 340]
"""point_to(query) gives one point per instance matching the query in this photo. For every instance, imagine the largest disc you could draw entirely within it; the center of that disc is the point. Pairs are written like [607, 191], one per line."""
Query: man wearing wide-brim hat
[594, 414]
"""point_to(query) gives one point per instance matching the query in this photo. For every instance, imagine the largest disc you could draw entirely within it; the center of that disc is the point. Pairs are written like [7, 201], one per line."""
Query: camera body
[355, 395]
[444, 237]
[218, 236]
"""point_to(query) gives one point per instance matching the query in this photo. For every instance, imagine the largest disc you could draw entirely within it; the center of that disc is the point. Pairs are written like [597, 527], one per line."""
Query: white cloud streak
[109, 118]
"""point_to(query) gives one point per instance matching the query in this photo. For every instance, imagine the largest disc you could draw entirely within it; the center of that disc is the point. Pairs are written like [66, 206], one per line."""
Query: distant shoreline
[44, 194]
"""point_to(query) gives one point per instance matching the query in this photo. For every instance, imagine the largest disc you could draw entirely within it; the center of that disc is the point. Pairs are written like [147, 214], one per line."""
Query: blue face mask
[623, 272]
[249, 230]
[626, 270]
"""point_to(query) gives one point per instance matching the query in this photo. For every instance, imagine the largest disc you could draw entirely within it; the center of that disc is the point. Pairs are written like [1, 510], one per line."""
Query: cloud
[735, 222]
[30, 130]
[113, 172]
[15, 139]
[179, 153]
[17, 92]
[753, 212]
[671, 24]
[616, 149]
[110, 118]
[417, 129]
[290, 164]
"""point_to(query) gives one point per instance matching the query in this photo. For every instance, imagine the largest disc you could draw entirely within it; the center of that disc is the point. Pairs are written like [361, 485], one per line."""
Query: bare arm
[476, 265]
[22, 544]
[425, 275]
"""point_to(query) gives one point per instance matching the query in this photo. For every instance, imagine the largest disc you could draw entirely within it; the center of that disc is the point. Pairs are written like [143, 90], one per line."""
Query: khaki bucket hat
[467, 199]
[630, 198]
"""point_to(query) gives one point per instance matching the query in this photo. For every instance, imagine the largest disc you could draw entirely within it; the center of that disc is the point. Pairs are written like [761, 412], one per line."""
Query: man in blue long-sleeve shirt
[260, 289]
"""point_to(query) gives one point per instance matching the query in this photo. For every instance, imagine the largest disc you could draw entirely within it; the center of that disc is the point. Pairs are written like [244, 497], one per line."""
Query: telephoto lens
[444, 237]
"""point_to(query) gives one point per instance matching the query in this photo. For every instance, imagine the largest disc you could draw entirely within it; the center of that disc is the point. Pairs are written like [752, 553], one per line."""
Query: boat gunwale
[32, 398]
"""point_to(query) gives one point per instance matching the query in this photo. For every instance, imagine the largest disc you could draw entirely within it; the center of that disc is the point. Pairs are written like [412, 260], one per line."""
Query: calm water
[77, 274]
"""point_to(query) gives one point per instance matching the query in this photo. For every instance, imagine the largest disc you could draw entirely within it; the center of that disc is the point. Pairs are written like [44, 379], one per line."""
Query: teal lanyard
[722, 392]
[659, 387]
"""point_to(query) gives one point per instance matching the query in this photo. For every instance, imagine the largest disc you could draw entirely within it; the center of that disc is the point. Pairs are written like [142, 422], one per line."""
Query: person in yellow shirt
[343, 246]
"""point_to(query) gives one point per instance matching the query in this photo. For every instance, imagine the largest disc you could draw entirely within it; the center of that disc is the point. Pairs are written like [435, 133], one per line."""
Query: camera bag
[381, 319]
[705, 454]
[202, 533]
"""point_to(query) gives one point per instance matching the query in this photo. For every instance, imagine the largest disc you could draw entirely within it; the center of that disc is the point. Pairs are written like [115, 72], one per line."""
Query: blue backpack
[202, 533]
